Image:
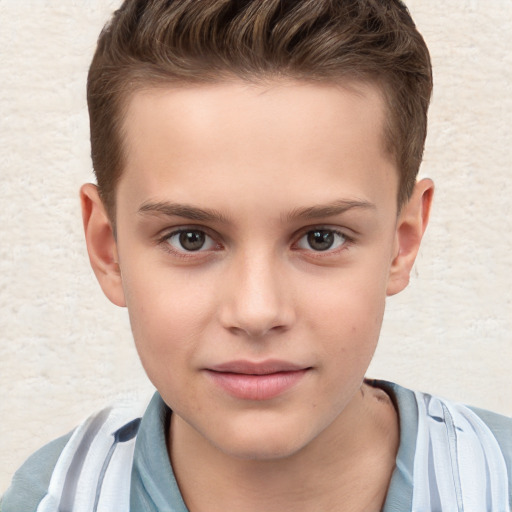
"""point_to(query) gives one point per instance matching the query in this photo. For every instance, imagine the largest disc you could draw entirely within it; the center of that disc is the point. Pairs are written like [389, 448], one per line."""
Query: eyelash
[164, 242]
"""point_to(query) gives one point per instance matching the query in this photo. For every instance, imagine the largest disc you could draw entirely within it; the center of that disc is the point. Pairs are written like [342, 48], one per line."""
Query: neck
[349, 464]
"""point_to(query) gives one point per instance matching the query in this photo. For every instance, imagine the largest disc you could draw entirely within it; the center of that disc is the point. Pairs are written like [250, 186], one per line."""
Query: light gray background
[65, 350]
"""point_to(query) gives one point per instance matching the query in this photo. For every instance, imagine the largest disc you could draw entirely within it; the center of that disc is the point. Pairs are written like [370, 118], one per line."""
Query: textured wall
[65, 350]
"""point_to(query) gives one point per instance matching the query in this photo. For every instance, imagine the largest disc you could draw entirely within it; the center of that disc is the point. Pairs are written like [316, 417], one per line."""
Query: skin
[257, 169]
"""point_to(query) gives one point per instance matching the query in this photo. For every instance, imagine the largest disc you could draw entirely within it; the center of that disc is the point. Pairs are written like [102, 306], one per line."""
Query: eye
[322, 240]
[190, 240]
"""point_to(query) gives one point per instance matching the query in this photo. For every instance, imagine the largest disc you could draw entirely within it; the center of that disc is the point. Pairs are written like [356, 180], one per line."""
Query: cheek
[349, 310]
[167, 315]
[355, 296]
[166, 327]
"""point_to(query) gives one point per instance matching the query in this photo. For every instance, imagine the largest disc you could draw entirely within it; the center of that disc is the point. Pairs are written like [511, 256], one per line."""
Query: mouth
[248, 380]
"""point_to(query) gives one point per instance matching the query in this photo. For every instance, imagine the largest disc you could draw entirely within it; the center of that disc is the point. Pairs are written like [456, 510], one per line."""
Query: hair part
[151, 43]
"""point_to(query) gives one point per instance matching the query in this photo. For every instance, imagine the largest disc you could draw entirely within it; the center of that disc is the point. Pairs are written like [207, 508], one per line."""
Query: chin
[263, 451]
[265, 444]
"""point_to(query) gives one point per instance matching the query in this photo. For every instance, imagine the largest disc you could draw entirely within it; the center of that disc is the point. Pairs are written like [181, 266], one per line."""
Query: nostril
[257, 333]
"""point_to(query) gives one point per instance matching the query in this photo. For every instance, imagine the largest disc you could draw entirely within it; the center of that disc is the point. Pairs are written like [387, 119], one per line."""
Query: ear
[411, 225]
[101, 244]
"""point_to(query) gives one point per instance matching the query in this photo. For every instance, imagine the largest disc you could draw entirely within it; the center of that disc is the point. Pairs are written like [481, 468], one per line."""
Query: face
[256, 230]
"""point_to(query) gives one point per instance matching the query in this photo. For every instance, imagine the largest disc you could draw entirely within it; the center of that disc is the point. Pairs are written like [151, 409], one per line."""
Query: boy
[256, 203]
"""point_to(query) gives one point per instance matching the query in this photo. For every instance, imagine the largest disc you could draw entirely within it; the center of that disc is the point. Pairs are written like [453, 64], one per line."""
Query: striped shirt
[450, 458]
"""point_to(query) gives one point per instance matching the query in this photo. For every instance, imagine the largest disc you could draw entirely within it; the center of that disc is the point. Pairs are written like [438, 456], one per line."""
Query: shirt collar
[154, 487]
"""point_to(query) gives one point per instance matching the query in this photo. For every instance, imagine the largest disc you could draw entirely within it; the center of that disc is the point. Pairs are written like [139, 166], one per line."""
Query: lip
[249, 380]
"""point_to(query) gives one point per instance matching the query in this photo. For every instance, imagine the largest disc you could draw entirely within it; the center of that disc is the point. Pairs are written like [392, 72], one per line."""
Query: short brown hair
[153, 42]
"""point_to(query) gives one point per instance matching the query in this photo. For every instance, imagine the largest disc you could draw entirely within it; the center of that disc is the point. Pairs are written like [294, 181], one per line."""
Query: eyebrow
[182, 210]
[185, 211]
[329, 210]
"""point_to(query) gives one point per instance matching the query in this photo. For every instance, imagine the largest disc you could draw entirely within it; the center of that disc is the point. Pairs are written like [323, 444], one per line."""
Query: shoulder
[30, 483]
[501, 428]
[446, 446]
[53, 473]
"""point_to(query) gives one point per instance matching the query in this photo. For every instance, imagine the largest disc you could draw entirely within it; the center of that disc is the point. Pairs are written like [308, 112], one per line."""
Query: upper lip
[257, 367]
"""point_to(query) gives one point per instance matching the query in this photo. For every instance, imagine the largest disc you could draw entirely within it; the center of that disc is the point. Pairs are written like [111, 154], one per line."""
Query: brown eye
[190, 240]
[320, 240]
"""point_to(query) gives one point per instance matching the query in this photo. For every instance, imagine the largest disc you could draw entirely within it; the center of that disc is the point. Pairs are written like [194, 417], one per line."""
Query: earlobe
[101, 244]
[411, 225]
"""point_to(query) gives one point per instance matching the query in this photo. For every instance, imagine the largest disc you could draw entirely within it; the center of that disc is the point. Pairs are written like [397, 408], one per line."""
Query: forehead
[284, 104]
[233, 137]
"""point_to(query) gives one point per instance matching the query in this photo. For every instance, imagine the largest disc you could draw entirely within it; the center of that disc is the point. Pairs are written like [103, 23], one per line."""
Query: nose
[256, 297]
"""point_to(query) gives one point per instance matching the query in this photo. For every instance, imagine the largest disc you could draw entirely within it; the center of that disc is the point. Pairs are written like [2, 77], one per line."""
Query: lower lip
[256, 387]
